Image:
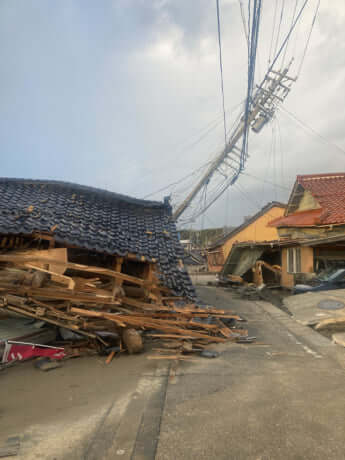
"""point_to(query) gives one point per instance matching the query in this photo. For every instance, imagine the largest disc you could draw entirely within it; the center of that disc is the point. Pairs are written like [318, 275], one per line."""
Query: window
[294, 260]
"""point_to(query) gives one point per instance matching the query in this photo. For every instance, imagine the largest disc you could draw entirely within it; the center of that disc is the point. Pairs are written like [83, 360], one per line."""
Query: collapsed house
[313, 227]
[97, 263]
[310, 236]
[107, 228]
[254, 229]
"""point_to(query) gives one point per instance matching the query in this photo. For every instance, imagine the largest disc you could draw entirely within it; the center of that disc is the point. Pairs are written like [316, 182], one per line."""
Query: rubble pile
[111, 310]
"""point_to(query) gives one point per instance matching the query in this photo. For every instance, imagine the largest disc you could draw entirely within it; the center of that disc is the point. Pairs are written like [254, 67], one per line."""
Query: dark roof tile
[97, 220]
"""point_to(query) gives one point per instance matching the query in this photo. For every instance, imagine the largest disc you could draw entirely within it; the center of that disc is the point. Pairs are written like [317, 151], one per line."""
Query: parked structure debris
[254, 229]
[310, 237]
[102, 265]
[315, 222]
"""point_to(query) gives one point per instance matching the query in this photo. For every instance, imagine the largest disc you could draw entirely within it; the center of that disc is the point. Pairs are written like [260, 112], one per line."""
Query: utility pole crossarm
[264, 104]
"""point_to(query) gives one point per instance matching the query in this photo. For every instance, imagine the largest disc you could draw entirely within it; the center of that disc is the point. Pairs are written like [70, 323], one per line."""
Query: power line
[308, 39]
[281, 151]
[253, 34]
[294, 46]
[177, 182]
[221, 68]
[287, 43]
[244, 22]
[245, 194]
[274, 156]
[251, 200]
[284, 42]
[265, 181]
[279, 25]
[273, 29]
[209, 128]
[312, 130]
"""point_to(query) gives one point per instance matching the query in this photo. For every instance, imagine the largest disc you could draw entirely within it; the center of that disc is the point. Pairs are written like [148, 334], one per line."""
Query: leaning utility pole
[273, 90]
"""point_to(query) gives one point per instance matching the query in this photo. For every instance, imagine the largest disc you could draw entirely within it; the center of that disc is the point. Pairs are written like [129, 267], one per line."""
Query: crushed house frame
[314, 224]
[253, 229]
[94, 226]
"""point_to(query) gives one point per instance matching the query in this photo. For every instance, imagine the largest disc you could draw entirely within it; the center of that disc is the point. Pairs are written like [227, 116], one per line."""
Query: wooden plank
[110, 357]
[59, 254]
[99, 314]
[146, 323]
[330, 323]
[172, 336]
[22, 259]
[117, 282]
[174, 357]
[60, 278]
[49, 320]
[58, 294]
[143, 305]
[55, 311]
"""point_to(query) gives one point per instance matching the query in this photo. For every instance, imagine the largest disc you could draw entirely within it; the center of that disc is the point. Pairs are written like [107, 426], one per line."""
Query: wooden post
[117, 282]
[150, 275]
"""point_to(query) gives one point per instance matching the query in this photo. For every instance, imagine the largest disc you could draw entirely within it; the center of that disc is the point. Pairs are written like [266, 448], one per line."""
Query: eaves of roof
[309, 218]
[96, 220]
[101, 193]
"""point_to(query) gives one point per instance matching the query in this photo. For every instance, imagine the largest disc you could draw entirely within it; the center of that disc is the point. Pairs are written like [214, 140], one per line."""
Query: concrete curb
[305, 333]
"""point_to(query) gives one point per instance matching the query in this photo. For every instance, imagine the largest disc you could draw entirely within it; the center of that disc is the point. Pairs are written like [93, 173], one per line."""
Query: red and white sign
[19, 351]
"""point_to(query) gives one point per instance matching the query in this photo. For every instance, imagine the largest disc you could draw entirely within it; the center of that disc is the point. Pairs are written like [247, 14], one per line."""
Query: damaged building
[313, 227]
[105, 228]
[103, 267]
[254, 229]
[310, 236]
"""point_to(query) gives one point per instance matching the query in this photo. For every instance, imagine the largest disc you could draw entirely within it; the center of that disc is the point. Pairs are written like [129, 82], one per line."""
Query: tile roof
[96, 220]
[298, 219]
[329, 191]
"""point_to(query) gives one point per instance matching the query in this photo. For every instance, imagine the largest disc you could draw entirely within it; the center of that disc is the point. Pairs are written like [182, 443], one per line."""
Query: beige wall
[311, 232]
[307, 202]
[307, 259]
[256, 231]
[287, 279]
[307, 265]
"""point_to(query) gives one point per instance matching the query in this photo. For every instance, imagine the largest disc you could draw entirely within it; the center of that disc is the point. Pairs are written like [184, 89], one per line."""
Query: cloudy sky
[125, 95]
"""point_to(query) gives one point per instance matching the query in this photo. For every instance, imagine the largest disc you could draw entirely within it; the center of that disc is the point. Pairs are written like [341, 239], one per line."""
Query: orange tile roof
[298, 219]
[329, 191]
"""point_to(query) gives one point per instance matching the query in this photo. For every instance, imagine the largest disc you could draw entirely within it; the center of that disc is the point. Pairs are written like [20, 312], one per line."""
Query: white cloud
[122, 94]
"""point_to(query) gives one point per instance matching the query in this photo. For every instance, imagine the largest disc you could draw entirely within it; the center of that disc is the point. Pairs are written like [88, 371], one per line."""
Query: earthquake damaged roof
[97, 220]
[329, 192]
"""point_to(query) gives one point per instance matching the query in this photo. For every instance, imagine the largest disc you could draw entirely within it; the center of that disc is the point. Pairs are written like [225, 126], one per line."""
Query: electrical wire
[284, 42]
[221, 68]
[279, 26]
[216, 152]
[265, 181]
[253, 34]
[294, 46]
[311, 130]
[274, 158]
[281, 151]
[287, 43]
[244, 22]
[177, 182]
[273, 29]
[308, 39]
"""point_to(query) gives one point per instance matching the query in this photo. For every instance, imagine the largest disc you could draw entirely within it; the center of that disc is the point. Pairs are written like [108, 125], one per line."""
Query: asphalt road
[280, 398]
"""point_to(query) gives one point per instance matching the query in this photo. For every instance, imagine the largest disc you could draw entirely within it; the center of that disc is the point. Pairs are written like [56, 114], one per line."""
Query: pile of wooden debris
[113, 307]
